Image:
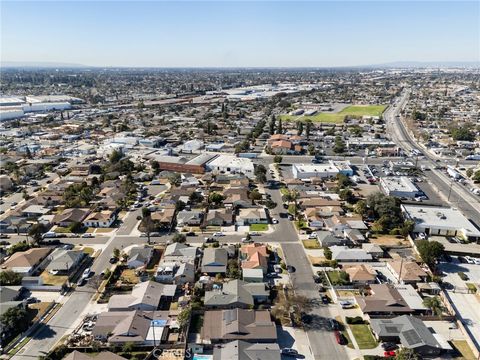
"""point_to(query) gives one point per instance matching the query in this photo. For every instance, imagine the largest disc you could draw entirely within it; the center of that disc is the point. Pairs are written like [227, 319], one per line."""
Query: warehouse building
[433, 220]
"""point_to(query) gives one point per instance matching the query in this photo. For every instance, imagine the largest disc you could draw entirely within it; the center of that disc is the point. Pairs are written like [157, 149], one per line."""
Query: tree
[435, 304]
[360, 207]
[406, 354]
[462, 134]
[300, 128]
[179, 205]
[116, 253]
[277, 159]
[430, 251]
[9, 277]
[469, 172]
[279, 127]
[260, 173]
[183, 317]
[115, 156]
[179, 238]
[145, 212]
[255, 195]
[289, 305]
[346, 194]
[36, 231]
[155, 166]
[311, 149]
[128, 347]
[476, 176]
[339, 146]
[216, 198]
[15, 318]
[407, 228]
[343, 181]
[271, 126]
[308, 128]
[195, 197]
[327, 253]
[175, 179]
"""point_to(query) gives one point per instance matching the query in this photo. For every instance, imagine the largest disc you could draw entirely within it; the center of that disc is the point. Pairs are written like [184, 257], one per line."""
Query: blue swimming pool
[202, 357]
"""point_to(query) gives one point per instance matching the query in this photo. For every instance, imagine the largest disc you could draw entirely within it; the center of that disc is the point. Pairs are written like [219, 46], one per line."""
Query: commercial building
[400, 186]
[307, 171]
[231, 164]
[433, 220]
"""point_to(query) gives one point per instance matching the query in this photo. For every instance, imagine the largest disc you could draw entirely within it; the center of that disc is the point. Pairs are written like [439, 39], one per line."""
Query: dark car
[307, 318]
[190, 233]
[325, 299]
[113, 260]
[340, 338]
[334, 325]
[291, 269]
[32, 300]
[388, 346]
[289, 352]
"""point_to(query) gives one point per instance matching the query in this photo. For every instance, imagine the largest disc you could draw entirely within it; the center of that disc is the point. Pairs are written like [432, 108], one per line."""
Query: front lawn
[54, 280]
[338, 277]
[128, 276]
[258, 227]
[363, 336]
[311, 244]
[464, 349]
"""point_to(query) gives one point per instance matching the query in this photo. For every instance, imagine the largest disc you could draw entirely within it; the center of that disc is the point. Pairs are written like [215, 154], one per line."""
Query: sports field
[353, 110]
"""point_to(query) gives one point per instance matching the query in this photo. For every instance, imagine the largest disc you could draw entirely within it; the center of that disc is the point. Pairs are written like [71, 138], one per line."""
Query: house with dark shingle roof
[410, 331]
[236, 294]
[214, 261]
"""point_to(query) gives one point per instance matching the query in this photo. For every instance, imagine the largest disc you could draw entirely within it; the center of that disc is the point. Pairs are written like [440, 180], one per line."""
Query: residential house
[354, 235]
[26, 262]
[145, 296]
[64, 261]
[255, 256]
[327, 239]
[238, 324]
[219, 217]
[136, 327]
[164, 218]
[238, 200]
[35, 211]
[407, 272]
[411, 332]
[236, 294]
[103, 355]
[139, 257]
[214, 261]
[373, 249]
[361, 274]
[100, 219]
[189, 218]
[243, 350]
[69, 217]
[252, 216]
[383, 299]
[345, 254]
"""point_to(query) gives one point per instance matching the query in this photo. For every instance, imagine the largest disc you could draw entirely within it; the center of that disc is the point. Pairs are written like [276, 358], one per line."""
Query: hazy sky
[248, 33]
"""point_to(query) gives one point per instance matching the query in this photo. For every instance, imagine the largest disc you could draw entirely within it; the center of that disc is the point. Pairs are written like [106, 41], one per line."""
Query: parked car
[113, 260]
[274, 221]
[389, 346]
[87, 235]
[190, 233]
[32, 300]
[289, 352]
[346, 304]
[340, 338]
[272, 275]
[86, 273]
[218, 233]
[334, 325]
[313, 235]
[389, 354]
[422, 236]
[209, 239]
[81, 281]
[325, 299]
[291, 269]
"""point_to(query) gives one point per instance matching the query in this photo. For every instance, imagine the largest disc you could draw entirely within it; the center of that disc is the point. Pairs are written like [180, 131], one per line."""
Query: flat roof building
[434, 220]
[307, 171]
[232, 164]
[400, 186]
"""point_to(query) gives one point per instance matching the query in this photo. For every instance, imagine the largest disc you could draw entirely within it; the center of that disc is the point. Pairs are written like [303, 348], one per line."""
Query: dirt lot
[389, 240]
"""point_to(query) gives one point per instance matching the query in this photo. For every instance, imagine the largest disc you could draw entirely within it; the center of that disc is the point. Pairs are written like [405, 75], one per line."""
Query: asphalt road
[322, 341]
[453, 192]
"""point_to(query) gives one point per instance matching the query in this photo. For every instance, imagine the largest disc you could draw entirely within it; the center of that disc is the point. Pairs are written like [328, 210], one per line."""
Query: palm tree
[435, 304]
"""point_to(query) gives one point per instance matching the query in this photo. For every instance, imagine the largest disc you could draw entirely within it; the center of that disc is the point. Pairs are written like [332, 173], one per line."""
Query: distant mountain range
[397, 64]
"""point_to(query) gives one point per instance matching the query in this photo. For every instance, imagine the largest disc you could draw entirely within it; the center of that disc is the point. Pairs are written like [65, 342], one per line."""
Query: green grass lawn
[464, 349]
[334, 277]
[363, 336]
[258, 227]
[311, 244]
[353, 110]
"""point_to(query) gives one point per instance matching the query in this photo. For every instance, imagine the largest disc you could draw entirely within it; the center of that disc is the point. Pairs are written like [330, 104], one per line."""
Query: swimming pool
[202, 357]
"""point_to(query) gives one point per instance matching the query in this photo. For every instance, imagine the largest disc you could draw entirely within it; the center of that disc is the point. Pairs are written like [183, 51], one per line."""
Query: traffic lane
[322, 341]
[129, 222]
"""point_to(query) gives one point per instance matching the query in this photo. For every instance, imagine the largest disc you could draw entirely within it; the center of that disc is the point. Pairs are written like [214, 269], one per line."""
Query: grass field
[464, 349]
[311, 244]
[54, 280]
[258, 227]
[363, 336]
[336, 118]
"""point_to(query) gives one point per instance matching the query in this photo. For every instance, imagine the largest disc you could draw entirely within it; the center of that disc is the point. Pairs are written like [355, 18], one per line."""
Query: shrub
[354, 320]
[463, 276]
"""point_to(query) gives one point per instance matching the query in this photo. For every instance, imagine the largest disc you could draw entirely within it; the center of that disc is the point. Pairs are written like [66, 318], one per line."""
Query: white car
[218, 233]
[313, 235]
[422, 236]
[274, 221]
[470, 260]
[87, 235]
[346, 304]
[86, 273]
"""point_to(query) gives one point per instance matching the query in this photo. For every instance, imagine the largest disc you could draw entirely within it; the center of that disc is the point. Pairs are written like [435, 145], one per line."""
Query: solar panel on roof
[412, 337]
